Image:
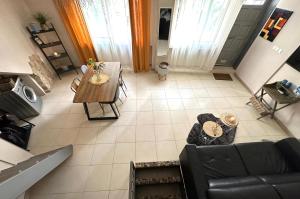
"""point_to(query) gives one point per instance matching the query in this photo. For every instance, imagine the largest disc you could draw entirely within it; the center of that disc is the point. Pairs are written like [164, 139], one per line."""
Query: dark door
[241, 33]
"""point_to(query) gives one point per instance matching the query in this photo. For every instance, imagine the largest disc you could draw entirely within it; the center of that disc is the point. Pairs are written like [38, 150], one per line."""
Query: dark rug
[222, 76]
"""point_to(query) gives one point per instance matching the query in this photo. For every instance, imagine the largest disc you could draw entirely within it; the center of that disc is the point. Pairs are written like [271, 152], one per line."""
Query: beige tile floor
[155, 120]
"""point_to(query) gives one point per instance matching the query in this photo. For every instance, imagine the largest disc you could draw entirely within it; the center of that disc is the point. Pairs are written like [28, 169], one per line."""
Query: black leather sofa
[259, 170]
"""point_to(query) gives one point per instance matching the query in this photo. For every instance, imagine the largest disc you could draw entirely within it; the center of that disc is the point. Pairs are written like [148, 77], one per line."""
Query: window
[255, 2]
[108, 23]
[197, 23]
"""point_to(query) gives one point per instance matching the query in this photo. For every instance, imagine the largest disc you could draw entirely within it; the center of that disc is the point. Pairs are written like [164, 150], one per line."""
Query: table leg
[112, 107]
[86, 110]
[274, 109]
[262, 94]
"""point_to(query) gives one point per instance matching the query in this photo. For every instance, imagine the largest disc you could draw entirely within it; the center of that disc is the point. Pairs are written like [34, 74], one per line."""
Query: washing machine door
[29, 94]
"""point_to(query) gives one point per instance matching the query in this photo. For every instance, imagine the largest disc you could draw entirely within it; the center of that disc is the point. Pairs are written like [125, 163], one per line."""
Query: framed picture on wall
[275, 23]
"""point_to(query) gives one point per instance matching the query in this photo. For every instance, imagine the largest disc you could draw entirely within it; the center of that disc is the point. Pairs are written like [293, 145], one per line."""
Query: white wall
[261, 61]
[15, 43]
[48, 7]
[15, 46]
[166, 3]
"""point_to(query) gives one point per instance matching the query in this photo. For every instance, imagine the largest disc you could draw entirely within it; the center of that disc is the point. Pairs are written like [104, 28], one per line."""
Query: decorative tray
[99, 79]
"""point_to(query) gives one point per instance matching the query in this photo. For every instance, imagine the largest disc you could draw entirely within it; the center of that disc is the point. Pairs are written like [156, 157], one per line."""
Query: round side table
[210, 131]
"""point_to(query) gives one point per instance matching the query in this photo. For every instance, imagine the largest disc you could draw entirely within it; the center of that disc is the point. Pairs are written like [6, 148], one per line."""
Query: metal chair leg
[124, 83]
[102, 108]
[117, 109]
[123, 90]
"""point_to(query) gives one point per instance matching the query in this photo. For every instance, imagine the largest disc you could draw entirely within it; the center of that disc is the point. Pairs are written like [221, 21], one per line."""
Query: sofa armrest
[195, 182]
[290, 148]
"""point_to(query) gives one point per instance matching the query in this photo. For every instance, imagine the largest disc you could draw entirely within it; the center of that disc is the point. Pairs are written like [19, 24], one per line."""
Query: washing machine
[21, 101]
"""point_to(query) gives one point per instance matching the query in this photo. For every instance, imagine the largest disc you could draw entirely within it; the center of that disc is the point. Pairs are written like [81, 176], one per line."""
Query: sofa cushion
[245, 192]
[220, 161]
[281, 178]
[263, 158]
[288, 191]
[194, 179]
[234, 182]
[199, 164]
[290, 148]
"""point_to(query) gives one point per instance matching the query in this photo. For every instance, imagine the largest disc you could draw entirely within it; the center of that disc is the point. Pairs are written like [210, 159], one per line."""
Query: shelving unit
[56, 62]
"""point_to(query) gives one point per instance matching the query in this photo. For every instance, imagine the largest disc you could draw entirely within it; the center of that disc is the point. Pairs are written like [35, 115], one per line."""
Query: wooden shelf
[65, 69]
[56, 43]
[51, 59]
[41, 31]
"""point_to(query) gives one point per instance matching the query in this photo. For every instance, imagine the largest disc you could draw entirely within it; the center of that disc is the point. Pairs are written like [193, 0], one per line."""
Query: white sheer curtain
[199, 31]
[109, 26]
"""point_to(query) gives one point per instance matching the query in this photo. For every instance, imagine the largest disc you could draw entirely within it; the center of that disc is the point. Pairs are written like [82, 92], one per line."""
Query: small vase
[98, 75]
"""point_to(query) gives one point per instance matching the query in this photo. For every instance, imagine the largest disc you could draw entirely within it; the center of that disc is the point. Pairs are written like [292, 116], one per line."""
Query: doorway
[165, 16]
[247, 26]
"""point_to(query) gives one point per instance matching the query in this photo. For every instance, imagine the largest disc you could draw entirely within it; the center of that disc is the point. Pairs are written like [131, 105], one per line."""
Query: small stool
[162, 70]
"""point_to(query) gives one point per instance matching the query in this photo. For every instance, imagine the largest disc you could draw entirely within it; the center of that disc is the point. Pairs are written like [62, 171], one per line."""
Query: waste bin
[162, 70]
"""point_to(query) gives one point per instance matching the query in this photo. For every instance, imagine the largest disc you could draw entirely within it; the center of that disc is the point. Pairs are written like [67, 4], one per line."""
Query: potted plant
[42, 19]
[97, 68]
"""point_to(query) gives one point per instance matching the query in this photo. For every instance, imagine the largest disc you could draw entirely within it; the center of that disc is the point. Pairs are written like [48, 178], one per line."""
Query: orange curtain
[140, 31]
[72, 17]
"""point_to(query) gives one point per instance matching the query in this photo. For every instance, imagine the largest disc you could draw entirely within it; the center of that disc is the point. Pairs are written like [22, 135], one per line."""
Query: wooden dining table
[103, 94]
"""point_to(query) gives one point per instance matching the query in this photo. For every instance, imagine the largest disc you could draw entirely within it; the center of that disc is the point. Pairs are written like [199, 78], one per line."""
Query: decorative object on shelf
[56, 54]
[286, 83]
[42, 19]
[285, 87]
[297, 91]
[275, 23]
[59, 61]
[35, 27]
[38, 40]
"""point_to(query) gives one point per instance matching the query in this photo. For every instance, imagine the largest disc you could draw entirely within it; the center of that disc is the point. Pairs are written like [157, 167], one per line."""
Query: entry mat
[222, 76]
[156, 180]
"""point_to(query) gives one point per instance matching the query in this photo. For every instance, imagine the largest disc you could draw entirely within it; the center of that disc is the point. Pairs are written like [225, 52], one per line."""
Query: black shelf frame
[58, 69]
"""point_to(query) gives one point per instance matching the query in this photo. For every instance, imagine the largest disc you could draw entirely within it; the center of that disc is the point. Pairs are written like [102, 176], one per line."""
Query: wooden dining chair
[121, 81]
[74, 86]
[116, 98]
